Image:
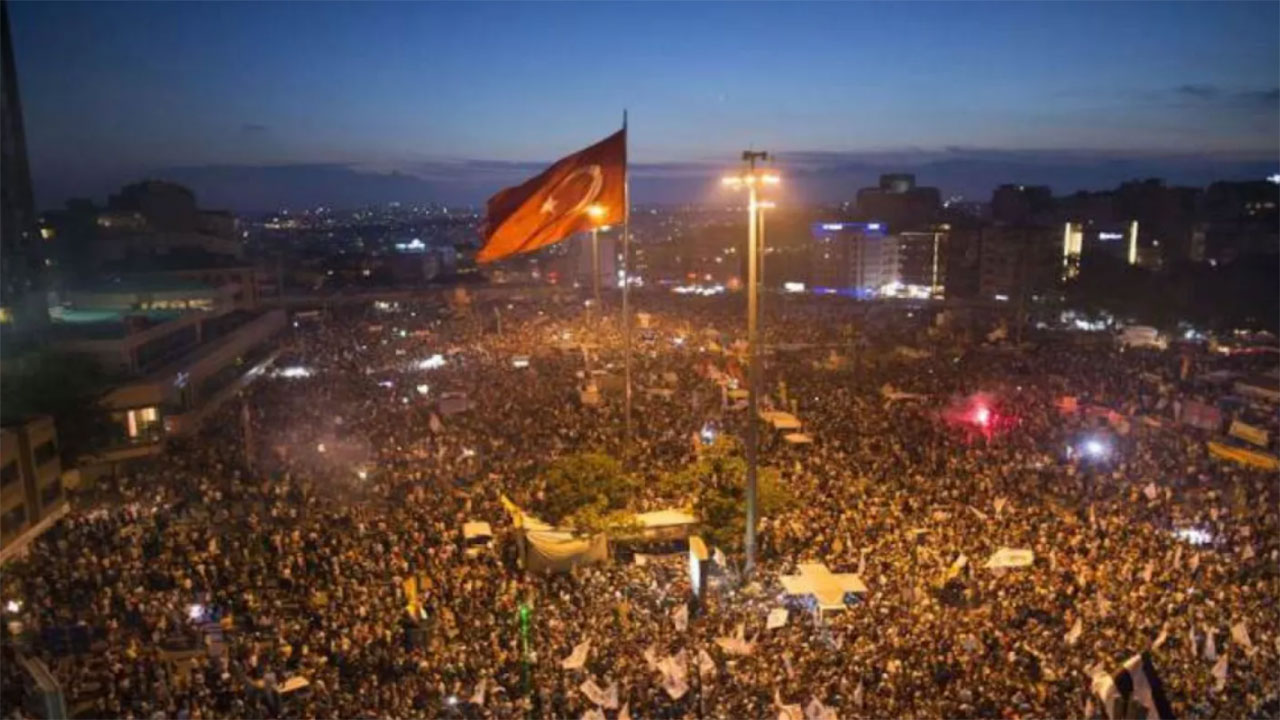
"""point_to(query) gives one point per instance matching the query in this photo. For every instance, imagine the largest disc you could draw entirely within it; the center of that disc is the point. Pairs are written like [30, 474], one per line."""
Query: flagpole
[626, 293]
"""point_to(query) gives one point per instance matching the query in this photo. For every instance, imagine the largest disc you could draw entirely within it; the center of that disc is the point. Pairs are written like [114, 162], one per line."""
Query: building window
[139, 426]
[14, 520]
[51, 493]
[44, 452]
[10, 474]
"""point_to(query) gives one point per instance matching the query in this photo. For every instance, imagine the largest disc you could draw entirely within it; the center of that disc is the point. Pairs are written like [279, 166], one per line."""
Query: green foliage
[1240, 294]
[588, 491]
[716, 486]
[64, 385]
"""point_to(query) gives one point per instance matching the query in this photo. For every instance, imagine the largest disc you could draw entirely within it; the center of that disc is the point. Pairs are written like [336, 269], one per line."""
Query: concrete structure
[1018, 261]
[209, 360]
[31, 492]
[21, 254]
[900, 203]
[868, 260]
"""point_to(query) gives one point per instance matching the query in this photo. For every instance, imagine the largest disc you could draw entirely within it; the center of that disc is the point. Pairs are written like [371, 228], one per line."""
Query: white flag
[435, 424]
[1148, 571]
[787, 712]
[815, 710]
[1210, 645]
[1247, 553]
[1194, 642]
[1195, 561]
[1240, 635]
[777, 618]
[651, 657]
[706, 666]
[999, 505]
[676, 687]
[857, 696]
[682, 617]
[1164, 635]
[593, 691]
[579, 656]
[1177, 557]
[1104, 607]
[1220, 672]
[477, 698]
[1074, 633]
[735, 646]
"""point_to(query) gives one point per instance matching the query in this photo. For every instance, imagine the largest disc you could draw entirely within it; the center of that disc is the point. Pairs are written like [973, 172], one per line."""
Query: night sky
[260, 104]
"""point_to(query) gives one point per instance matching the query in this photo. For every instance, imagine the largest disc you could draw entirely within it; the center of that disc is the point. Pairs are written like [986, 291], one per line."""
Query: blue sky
[115, 90]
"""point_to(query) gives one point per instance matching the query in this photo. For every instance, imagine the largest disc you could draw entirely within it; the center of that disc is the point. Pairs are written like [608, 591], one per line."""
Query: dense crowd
[276, 544]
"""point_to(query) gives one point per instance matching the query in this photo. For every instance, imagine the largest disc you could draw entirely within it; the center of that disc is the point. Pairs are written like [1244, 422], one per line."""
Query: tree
[588, 491]
[716, 485]
[66, 386]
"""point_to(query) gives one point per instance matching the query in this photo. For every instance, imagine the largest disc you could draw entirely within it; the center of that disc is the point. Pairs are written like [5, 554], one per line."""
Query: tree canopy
[588, 491]
[716, 485]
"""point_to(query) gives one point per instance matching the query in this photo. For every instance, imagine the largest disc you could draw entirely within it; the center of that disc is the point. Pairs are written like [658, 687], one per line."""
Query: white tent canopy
[827, 588]
[476, 529]
[1010, 558]
[781, 420]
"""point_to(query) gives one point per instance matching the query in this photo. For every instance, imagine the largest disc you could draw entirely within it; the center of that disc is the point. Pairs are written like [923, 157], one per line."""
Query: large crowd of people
[274, 547]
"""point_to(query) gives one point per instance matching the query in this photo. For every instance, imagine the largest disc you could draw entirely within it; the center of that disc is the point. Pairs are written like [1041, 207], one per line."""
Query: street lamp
[596, 212]
[753, 178]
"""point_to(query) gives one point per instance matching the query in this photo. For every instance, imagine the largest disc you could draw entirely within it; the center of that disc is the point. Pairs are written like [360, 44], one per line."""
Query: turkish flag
[553, 205]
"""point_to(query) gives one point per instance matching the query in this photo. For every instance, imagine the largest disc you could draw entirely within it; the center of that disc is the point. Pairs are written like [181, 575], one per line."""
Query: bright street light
[753, 178]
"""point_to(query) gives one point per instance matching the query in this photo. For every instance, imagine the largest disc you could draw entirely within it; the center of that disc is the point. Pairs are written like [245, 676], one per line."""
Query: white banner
[777, 618]
[579, 656]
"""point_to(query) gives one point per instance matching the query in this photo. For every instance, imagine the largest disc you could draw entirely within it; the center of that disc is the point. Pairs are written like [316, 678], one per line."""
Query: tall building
[1021, 204]
[21, 284]
[1238, 219]
[849, 256]
[899, 202]
[1018, 261]
[867, 259]
[31, 493]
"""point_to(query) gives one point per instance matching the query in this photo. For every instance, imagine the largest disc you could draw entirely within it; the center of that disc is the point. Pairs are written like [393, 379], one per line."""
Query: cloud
[814, 177]
[1200, 92]
[1247, 99]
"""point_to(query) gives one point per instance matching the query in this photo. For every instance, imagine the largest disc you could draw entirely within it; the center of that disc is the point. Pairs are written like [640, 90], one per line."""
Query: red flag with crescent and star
[554, 205]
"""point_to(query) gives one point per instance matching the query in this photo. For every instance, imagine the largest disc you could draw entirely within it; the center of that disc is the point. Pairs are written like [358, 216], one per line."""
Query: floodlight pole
[754, 239]
[595, 268]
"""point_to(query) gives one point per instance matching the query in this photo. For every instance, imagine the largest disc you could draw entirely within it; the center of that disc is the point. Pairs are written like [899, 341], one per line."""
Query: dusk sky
[256, 104]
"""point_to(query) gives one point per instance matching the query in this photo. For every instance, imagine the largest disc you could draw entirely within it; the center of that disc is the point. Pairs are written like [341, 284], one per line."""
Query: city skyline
[326, 103]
